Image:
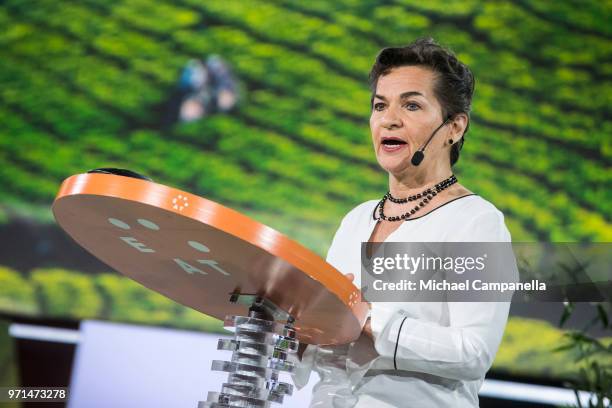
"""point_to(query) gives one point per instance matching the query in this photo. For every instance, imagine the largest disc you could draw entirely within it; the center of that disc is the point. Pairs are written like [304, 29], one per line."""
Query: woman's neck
[410, 184]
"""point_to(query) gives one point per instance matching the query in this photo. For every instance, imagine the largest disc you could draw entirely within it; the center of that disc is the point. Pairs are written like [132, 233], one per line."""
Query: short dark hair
[454, 85]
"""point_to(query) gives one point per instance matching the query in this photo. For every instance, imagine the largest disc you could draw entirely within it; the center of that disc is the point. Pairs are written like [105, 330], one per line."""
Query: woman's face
[405, 112]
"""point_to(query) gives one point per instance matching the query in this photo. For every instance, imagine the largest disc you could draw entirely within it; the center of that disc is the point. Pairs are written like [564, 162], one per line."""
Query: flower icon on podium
[180, 202]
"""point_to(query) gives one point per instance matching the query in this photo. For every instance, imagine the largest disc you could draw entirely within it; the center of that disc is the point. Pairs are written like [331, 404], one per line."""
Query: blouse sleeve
[463, 350]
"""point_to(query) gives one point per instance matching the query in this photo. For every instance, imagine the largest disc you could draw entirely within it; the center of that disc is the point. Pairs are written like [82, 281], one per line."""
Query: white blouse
[443, 350]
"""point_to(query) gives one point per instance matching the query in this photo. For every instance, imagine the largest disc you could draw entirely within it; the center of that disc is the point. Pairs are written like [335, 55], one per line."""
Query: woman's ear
[458, 125]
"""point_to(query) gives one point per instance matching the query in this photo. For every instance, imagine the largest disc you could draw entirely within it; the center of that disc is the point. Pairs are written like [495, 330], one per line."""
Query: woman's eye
[379, 106]
[412, 106]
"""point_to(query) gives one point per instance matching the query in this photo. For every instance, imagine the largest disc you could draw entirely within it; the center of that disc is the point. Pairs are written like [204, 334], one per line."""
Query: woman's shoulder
[351, 229]
[361, 210]
[480, 217]
[468, 202]
[477, 204]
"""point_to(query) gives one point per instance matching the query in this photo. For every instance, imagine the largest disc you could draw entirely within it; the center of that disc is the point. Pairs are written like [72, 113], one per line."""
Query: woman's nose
[390, 119]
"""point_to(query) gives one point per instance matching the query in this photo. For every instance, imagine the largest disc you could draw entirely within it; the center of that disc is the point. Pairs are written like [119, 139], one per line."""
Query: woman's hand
[367, 328]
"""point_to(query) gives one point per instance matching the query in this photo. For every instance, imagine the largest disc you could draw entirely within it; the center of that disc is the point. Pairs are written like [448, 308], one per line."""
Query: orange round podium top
[198, 252]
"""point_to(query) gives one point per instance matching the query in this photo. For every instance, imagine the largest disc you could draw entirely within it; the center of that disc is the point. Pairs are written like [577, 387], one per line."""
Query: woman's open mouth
[393, 145]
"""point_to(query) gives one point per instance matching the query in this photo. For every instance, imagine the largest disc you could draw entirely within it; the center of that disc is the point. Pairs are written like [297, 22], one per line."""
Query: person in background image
[194, 84]
[204, 89]
[225, 89]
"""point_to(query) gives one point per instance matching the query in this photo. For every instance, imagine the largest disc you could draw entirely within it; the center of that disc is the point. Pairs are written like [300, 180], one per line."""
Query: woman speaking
[423, 354]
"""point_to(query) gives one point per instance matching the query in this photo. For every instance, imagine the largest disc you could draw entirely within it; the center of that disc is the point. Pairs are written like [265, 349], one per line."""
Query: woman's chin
[395, 165]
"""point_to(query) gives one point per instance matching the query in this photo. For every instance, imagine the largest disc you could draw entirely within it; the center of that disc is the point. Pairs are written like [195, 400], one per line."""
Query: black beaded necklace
[426, 194]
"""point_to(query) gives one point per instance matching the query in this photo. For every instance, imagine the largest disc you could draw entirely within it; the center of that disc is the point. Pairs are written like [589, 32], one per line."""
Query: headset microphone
[418, 156]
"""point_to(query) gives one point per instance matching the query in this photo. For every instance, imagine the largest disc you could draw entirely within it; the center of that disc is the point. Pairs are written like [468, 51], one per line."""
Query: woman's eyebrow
[403, 95]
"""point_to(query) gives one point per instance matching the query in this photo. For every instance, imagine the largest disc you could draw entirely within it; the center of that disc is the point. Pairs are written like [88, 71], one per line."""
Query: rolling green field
[85, 84]
[86, 81]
